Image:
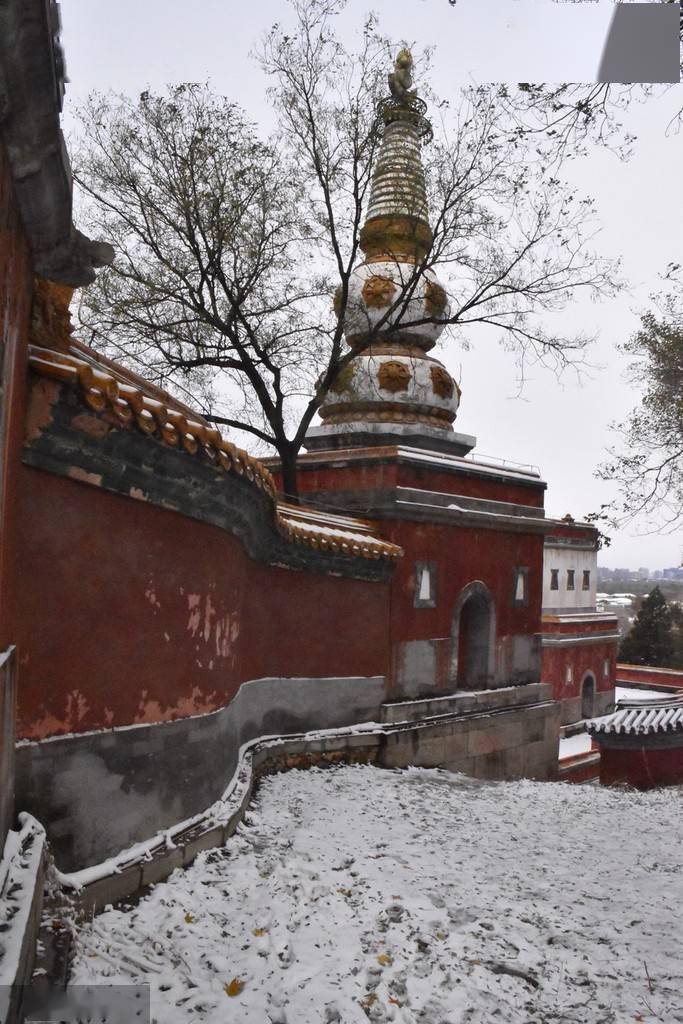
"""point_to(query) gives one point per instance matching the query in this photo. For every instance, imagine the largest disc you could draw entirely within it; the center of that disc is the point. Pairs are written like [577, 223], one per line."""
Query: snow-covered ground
[415, 896]
[572, 745]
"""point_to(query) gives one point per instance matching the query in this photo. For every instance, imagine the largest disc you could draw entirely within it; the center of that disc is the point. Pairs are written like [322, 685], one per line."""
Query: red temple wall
[16, 276]
[352, 476]
[582, 658]
[309, 624]
[641, 767]
[649, 676]
[598, 623]
[431, 478]
[147, 615]
[462, 556]
[357, 476]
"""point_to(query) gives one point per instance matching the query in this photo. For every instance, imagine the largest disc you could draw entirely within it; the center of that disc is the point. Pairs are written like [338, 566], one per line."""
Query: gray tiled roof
[653, 715]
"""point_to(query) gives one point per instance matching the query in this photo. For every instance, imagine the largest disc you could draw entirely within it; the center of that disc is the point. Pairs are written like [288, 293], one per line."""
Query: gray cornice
[31, 90]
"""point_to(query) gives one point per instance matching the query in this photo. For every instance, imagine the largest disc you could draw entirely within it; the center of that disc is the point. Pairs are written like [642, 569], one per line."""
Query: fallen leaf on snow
[234, 987]
[384, 959]
[189, 918]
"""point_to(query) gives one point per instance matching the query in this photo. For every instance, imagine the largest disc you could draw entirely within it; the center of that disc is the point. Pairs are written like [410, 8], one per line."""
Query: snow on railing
[498, 463]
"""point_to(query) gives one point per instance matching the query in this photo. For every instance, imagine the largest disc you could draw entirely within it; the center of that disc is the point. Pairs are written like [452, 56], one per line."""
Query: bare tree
[230, 247]
[564, 118]
[647, 463]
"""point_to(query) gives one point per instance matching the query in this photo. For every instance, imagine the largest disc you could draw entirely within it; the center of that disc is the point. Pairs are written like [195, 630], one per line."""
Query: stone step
[463, 702]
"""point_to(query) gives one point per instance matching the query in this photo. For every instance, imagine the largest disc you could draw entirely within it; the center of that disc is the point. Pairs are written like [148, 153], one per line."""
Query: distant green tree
[647, 465]
[651, 639]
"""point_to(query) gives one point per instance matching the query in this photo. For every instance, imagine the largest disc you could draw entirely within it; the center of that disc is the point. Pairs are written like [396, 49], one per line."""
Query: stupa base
[332, 437]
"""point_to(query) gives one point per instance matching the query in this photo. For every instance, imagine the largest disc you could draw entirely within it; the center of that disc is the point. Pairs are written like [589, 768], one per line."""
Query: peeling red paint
[218, 618]
[93, 425]
[76, 473]
[198, 703]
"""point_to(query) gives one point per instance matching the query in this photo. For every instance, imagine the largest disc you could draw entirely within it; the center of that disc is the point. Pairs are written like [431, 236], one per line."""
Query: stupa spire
[397, 221]
[392, 391]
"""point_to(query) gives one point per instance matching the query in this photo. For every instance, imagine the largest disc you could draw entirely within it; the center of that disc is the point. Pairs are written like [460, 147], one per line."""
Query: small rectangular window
[605, 668]
[586, 585]
[425, 585]
[570, 675]
[554, 579]
[520, 594]
[425, 591]
[570, 579]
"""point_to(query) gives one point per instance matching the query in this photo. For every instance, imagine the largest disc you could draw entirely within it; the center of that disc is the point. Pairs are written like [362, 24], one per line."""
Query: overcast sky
[562, 427]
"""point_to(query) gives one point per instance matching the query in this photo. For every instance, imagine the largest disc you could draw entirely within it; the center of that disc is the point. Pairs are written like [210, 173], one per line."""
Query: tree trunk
[290, 488]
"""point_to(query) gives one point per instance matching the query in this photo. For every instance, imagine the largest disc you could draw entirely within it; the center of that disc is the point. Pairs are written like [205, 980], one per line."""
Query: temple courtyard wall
[165, 636]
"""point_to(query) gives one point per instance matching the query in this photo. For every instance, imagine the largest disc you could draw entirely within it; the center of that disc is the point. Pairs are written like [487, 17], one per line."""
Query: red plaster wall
[353, 476]
[648, 675]
[600, 624]
[358, 476]
[641, 767]
[462, 555]
[16, 280]
[588, 658]
[309, 624]
[146, 615]
[433, 479]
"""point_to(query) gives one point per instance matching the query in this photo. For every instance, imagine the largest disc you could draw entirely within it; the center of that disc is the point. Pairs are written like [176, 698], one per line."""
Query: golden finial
[401, 78]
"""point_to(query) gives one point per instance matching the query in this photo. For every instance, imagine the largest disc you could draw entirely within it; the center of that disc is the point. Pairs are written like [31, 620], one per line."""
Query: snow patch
[417, 897]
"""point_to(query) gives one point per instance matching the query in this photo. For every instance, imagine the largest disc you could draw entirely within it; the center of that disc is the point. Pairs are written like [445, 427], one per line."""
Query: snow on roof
[337, 533]
[642, 717]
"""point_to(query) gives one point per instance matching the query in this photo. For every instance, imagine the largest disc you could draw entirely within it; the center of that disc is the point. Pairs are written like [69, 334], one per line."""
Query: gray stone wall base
[507, 743]
[504, 743]
[98, 793]
[571, 710]
[462, 701]
[422, 666]
[603, 703]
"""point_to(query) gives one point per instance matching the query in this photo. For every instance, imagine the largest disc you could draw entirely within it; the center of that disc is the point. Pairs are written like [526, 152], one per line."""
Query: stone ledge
[452, 744]
[464, 701]
[22, 871]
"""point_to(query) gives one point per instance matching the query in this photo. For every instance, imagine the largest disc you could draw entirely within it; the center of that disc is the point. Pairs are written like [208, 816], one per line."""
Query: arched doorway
[473, 638]
[587, 695]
